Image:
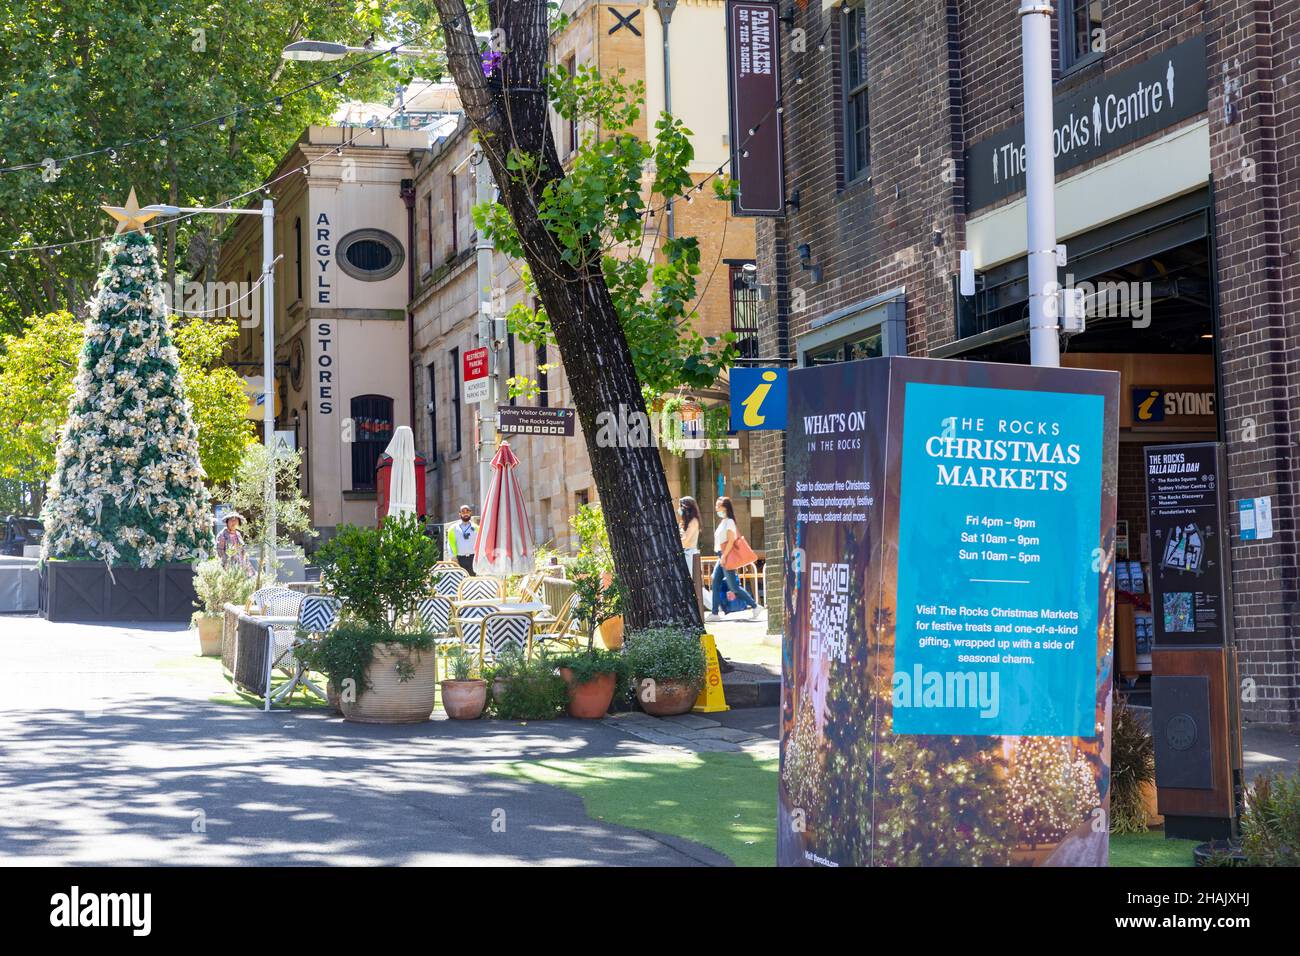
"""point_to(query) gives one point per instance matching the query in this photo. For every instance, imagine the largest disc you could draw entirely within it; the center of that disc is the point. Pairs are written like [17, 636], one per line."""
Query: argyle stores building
[1175, 199]
[341, 290]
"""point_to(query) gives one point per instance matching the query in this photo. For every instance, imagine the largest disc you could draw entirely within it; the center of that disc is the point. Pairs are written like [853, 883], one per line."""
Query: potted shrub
[464, 693]
[379, 659]
[593, 544]
[667, 667]
[532, 691]
[217, 586]
[1132, 773]
[591, 676]
[499, 674]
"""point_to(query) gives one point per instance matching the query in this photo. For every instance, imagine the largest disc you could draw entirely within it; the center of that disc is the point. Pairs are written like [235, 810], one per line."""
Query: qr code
[830, 610]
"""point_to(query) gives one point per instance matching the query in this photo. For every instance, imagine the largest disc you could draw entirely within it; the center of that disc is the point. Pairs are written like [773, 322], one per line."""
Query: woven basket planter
[389, 699]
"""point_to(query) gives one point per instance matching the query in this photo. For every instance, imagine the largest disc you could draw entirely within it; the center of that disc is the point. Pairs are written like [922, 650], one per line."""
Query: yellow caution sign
[711, 700]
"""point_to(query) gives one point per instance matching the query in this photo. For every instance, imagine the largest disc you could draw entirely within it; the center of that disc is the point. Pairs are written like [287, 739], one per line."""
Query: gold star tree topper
[130, 216]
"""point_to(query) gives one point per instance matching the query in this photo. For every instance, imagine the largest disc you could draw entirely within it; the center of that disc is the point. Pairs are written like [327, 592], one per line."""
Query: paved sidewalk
[112, 753]
[694, 732]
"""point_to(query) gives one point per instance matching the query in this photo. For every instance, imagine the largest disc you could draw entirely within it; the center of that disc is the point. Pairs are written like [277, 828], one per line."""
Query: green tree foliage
[82, 76]
[36, 372]
[217, 394]
[37, 367]
[128, 486]
[246, 493]
[601, 214]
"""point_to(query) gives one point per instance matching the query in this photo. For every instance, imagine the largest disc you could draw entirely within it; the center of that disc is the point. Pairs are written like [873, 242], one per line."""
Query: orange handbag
[740, 554]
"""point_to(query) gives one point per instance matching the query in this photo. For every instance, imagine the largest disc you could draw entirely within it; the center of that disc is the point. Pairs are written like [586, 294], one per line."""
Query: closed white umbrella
[401, 482]
[505, 543]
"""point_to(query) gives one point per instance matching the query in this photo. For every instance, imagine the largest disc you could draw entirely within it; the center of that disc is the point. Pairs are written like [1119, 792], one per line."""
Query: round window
[370, 255]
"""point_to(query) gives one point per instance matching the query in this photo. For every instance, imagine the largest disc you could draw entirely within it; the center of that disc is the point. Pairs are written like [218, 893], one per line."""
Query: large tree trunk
[512, 113]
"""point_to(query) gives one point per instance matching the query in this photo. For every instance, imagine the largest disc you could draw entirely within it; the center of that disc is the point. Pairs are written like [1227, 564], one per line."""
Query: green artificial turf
[1150, 849]
[725, 801]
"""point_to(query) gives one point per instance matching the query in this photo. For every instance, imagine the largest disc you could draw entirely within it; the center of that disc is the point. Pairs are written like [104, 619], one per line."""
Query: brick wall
[945, 73]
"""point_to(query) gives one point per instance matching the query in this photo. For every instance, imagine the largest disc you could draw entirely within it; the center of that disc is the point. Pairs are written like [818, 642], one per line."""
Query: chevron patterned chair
[482, 588]
[317, 613]
[449, 575]
[468, 619]
[435, 613]
[501, 630]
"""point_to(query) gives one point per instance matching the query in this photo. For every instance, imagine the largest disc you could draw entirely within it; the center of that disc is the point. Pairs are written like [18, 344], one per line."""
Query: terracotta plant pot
[390, 700]
[611, 633]
[671, 697]
[589, 701]
[333, 698]
[464, 699]
[210, 636]
[499, 685]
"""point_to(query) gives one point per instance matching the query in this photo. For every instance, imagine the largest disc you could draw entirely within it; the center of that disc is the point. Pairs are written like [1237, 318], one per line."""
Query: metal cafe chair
[317, 613]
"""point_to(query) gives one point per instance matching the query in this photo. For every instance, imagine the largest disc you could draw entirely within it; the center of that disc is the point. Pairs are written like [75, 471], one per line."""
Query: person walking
[725, 581]
[462, 535]
[230, 543]
[688, 518]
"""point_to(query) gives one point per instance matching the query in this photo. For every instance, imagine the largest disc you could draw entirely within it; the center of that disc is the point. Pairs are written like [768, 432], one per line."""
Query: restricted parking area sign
[475, 375]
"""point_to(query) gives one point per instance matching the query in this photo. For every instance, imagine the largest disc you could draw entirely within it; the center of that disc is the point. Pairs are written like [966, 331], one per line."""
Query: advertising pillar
[947, 658]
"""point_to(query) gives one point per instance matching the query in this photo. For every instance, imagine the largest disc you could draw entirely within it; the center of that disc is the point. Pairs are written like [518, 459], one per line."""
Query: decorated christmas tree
[1050, 790]
[128, 486]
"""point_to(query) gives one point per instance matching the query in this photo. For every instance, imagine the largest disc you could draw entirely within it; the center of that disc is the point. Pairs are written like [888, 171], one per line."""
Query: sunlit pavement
[111, 752]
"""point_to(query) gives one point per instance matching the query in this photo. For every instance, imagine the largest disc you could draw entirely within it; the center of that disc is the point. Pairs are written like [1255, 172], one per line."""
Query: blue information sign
[998, 562]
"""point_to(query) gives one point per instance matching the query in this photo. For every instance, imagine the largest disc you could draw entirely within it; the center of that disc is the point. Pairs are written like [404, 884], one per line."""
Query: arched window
[372, 430]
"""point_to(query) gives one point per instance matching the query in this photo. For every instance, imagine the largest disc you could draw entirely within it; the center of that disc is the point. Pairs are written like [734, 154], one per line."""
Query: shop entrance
[1149, 283]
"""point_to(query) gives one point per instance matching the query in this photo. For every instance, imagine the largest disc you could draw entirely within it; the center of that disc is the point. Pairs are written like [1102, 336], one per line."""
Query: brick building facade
[894, 116]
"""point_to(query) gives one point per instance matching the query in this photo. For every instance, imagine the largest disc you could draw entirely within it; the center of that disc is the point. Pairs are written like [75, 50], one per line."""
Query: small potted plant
[667, 667]
[464, 693]
[217, 586]
[377, 656]
[593, 675]
[532, 691]
[593, 546]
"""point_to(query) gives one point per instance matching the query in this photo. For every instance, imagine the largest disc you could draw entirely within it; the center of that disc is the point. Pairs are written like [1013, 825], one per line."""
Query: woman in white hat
[230, 543]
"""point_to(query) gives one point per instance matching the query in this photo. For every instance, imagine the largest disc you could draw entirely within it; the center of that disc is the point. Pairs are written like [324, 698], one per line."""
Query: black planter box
[83, 591]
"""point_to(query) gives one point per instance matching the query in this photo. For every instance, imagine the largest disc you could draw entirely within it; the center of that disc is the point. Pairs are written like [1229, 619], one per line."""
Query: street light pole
[268, 379]
[483, 193]
[1040, 183]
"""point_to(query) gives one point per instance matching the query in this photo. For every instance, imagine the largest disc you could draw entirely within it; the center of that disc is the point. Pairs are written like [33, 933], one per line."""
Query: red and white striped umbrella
[505, 542]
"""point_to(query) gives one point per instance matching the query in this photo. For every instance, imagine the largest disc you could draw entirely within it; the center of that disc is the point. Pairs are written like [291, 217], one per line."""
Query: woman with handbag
[733, 552]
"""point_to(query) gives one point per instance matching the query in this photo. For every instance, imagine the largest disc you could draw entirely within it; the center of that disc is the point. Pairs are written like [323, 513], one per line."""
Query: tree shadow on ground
[169, 780]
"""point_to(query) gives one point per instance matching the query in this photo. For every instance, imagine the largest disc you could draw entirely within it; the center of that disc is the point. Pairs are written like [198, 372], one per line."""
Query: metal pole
[483, 191]
[666, 9]
[1040, 183]
[268, 381]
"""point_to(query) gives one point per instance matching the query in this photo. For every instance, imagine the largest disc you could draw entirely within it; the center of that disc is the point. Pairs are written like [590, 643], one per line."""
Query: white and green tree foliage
[128, 484]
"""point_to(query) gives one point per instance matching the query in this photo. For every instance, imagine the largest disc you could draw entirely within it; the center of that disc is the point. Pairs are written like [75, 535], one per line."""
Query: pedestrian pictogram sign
[475, 375]
[712, 700]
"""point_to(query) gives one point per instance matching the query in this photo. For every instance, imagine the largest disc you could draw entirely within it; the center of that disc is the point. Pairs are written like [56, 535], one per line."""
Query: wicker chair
[435, 613]
[501, 630]
[482, 588]
[449, 575]
[317, 613]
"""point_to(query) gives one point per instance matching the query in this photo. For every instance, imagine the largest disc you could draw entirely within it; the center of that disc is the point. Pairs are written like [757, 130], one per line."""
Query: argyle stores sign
[1095, 119]
[948, 627]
